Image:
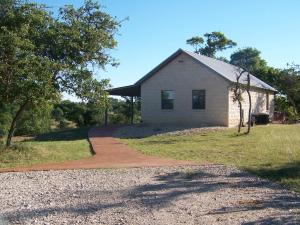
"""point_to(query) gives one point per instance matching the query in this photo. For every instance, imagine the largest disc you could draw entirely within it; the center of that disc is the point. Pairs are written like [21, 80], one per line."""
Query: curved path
[109, 153]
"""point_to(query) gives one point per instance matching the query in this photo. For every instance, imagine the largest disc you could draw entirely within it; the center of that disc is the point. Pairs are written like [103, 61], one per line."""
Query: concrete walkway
[109, 153]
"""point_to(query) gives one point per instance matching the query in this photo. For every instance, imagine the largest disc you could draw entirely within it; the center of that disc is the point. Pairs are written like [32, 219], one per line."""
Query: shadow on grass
[289, 172]
[65, 135]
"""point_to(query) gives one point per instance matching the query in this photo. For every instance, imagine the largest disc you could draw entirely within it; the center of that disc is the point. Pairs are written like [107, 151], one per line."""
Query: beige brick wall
[258, 98]
[183, 75]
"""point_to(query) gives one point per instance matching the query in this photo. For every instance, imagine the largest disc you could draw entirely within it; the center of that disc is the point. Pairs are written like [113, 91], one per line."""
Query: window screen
[167, 99]
[198, 99]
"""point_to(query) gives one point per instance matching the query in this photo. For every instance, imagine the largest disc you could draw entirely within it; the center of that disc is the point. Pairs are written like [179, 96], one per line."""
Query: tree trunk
[250, 104]
[241, 117]
[14, 123]
[132, 110]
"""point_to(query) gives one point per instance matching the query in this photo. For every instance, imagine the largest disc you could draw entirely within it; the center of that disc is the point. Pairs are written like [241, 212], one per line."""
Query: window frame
[161, 100]
[204, 99]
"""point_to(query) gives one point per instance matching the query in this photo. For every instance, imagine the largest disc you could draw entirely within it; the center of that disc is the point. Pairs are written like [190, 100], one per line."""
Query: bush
[63, 124]
[57, 114]
[117, 118]
[35, 120]
[292, 117]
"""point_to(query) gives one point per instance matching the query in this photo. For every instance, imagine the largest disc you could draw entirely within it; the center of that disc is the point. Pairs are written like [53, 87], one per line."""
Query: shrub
[35, 120]
[63, 124]
[292, 116]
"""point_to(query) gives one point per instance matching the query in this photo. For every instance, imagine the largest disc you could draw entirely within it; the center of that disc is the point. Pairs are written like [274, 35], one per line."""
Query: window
[267, 101]
[198, 99]
[167, 99]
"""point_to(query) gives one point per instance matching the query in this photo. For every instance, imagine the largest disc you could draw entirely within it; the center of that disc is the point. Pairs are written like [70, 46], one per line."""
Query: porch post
[132, 112]
[106, 116]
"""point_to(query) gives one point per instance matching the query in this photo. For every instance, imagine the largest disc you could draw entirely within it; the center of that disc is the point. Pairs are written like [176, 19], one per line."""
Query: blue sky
[157, 28]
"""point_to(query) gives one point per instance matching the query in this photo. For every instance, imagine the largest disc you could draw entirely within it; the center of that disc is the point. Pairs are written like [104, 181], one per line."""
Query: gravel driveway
[209, 194]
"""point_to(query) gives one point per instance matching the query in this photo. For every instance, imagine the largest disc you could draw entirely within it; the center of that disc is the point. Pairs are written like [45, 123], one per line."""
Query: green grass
[271, 151]
[51, 147]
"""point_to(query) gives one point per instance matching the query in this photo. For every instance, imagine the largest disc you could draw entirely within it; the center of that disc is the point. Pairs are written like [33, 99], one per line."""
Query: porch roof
[131, 90]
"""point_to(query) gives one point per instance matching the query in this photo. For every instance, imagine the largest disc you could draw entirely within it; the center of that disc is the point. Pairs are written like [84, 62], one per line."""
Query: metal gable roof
[228, 71]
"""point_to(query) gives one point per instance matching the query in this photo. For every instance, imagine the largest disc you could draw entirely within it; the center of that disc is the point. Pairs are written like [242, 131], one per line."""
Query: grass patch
[51, 147]
[271, 151]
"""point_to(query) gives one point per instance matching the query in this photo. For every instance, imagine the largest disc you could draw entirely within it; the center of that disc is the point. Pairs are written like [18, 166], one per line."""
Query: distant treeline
[67, 114]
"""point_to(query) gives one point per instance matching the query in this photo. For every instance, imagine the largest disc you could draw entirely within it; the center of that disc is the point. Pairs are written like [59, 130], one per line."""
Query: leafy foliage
[36, 120]
[87, 114]
[82, 114]
[286, 81]
[120, 111]
[289, 85]
[214, 42]
[196, 43]
[248, 58]
[42, 55]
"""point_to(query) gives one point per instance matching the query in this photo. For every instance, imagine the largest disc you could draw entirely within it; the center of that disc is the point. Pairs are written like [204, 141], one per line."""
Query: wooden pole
[132, 112]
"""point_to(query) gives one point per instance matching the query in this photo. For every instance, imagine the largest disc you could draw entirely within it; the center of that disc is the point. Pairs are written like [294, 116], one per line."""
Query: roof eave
[130, 90]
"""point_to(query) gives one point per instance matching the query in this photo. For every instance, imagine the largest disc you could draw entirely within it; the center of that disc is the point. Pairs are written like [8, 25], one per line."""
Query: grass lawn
[271, 151]
[51, 147]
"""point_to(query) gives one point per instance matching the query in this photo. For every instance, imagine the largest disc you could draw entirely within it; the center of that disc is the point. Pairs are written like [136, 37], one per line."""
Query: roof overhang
[131, 90]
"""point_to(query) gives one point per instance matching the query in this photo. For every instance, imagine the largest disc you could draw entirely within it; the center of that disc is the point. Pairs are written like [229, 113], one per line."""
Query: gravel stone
[210, 194]
[143, 130]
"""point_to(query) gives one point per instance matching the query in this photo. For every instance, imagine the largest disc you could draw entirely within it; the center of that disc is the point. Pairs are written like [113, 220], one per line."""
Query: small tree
[248, 86]
[247, 60]
[289, 85]
[238, 90]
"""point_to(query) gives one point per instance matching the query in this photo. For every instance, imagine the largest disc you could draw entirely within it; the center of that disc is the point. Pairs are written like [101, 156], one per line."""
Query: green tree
[214, 42]
[42, 55]
[237, 96]
[286, 81]
[81, 113]
[120, 110]
[196, 42]
[289, 85]
[248, 58]
[127, 108]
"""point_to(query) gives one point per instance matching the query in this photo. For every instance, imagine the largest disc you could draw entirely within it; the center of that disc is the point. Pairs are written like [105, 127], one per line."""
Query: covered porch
[125, 91]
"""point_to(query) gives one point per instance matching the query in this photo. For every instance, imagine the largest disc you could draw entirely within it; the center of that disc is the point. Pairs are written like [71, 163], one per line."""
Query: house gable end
[171, 59]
